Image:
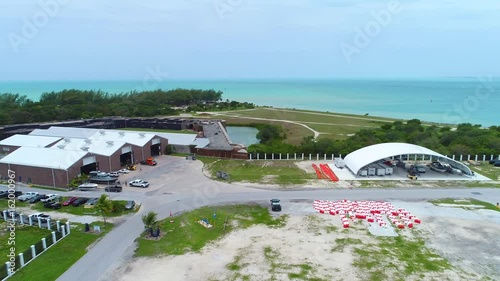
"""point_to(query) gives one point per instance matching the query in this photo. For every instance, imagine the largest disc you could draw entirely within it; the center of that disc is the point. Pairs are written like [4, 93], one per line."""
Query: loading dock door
[155, 150]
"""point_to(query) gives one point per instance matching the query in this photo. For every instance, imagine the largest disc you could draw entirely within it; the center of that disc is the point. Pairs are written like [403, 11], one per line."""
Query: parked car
[98, 174]
[87, 186]
[113, 188]
[139, 183]
[27, 196]
[79, 201]
[42, 216]
[420, 169]
[52, 205]
[492, 161]
[6, 194]
[50, 198]
[91, 202]
[37, 198]
[130, 205]
[275, 205]
[70, 201]
[123, 171]
[114, 174]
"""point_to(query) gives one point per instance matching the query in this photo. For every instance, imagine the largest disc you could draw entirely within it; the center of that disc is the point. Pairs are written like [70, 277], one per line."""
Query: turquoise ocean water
[446, 100]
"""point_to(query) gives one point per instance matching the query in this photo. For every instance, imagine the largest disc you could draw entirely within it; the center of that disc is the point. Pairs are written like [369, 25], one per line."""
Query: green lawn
[283, 172]
[4, 204]
[159, 130]
[487, 170]
[462, 203]
[25, 237]
[185, 234]
[54, 262]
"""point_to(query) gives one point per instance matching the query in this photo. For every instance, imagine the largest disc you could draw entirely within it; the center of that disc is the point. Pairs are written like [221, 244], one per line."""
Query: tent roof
[362, 157]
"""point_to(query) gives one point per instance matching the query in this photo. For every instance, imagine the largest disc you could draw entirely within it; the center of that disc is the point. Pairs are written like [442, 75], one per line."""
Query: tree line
[465, 139]
[77, 104]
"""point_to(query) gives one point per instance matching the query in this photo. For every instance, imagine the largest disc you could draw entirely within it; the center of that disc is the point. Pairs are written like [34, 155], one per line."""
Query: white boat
[87, 186]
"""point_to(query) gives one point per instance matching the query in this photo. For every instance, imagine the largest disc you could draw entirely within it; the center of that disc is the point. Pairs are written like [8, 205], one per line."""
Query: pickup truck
[50, 198]
[43, 217]
[27, 196]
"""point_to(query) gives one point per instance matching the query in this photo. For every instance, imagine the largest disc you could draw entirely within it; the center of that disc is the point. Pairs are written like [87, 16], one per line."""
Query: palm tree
[104, 205]
[150, 221]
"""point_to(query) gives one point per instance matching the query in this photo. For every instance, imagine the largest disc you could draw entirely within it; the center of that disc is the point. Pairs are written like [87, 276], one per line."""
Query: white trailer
[372, 171]
[363, 172]
[339, 163]
[380, 170]
[388, 169]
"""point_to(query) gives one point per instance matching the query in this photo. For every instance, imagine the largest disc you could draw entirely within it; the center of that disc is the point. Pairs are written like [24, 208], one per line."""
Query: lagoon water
[443, 100]
[243, 135]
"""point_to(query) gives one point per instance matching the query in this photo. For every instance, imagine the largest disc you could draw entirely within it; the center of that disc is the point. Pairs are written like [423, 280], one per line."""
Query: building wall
[41, 176]
[137, 151]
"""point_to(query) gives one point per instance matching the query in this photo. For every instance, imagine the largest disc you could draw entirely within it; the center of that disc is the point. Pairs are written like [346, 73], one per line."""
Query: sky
[247, 39]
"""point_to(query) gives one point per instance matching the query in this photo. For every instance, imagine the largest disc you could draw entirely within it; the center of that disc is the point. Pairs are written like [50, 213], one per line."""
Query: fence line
[331, 157]
[24, 258]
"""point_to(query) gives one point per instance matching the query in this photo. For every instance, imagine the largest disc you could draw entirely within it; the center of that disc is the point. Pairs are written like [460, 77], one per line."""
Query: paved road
[179, 186]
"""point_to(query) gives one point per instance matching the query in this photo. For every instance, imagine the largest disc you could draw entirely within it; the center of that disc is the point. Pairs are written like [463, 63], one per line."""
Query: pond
[243, 135]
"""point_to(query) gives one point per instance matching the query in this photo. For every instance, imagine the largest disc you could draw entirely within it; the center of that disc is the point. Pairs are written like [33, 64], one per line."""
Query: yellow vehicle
[412, 177]
[131, 167]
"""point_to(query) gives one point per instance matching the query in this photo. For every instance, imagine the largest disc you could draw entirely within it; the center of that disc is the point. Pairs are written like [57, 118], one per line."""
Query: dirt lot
[450, 244]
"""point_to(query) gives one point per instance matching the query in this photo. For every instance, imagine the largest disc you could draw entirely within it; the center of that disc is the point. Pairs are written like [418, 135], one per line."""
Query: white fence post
[333, 157]
[63, 232]
[30, 220]
[468, 157]
[40, 222]
[461, 157]
[453, 157]
[310, 157]
[44, 244]
[317, 157]
[4, 215]
[476, 157]
[54, 238]
[7, 266]
[67, 227]
[280, 156]
[484, 157]
[21, 259]
[58, 224]
[272, 156]
[287, 157]
[258, 154]
[325, 156]
[22, 218]
[303, 156]
[33, 251]
[48, 224]
[265, 156]
[295, 156]
[250, 156]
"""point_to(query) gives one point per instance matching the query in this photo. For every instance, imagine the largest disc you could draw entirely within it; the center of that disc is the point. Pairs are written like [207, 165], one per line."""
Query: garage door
[88, 160]
[156, 141]
[126, 149]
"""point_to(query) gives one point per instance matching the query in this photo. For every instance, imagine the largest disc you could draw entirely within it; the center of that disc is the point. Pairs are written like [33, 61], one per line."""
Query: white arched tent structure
[363, 157]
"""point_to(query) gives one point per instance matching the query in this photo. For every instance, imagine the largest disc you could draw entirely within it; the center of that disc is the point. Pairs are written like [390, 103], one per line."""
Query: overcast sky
[219, 39]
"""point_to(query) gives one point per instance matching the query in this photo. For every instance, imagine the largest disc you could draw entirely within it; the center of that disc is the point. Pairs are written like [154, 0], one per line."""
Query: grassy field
[185, 234]
[463, 203]
[487, 170]
[25, 237]
[295, 133]
[260, 171]
[335, 126]
[54, 262]
[4, 204]
[159, 130]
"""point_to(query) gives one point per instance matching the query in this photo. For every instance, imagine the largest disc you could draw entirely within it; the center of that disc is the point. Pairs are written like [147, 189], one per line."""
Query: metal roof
[132, 137]
[44, 157]
[200, 142]
[362, 157]
[65, 132]
[29, 140]
[178, 139]
[101, 147]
